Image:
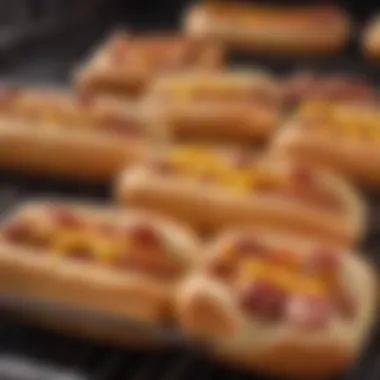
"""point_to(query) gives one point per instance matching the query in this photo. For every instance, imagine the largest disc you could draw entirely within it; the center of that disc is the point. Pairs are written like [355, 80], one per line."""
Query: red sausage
[144, 234]
[265, 299]
[308, 311]
[309, 85]
[64, 217]
[17, 231]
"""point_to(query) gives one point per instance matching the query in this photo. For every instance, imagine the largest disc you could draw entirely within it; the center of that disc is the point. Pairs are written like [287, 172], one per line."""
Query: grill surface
[28, 353]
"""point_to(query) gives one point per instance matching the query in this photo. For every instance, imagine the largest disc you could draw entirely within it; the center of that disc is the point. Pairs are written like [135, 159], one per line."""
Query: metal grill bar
[15, 368]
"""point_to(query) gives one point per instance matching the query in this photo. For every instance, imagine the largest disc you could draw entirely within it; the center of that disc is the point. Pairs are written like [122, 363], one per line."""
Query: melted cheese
[197, 160]
[65, 240]
[199, 163]
[285, 278]
[61, 112]
[351, 122]
[102, 249]
[90, 242]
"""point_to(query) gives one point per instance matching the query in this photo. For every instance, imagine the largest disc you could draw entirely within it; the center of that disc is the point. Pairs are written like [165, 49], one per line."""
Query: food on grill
[212, 189]
[280, 304]
[265, 28]
[126, 63]
[339, 136]
[57, 133]
[229, 106]
[125, 264]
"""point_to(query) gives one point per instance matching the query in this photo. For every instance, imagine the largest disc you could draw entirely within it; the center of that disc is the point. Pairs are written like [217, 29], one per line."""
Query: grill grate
[23, 22]
[28, 353]
[41, 352]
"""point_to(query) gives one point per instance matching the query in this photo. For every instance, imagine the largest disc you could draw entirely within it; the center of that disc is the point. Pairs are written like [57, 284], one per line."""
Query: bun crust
[269, 29]
[215, 107]
[191, 201]
[127, 295]
[207, 308]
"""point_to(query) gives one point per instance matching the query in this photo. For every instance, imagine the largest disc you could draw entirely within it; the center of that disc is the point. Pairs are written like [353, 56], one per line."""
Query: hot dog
[56, 133]
[234, 106]
[341, 137]
[211, 189]
[305, 29]
[279, 304]
[306, 86]
[371, 38]
[121, 264]
[126, 63]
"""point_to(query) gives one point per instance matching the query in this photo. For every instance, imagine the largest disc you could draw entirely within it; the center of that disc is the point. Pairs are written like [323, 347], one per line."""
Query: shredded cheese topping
[205, 164]
[82, 238]
[289, 280]
[51, 111]
[352, 122]
[267, 279]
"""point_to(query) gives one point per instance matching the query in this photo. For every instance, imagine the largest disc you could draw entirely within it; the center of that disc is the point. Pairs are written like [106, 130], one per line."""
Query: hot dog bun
[341, 137]
[235, 106]
[371, 38]
[308, 85]
[86, 256]
[214, 189]
[125, 63]
[307, 29]
[53, 132]
[280, 325]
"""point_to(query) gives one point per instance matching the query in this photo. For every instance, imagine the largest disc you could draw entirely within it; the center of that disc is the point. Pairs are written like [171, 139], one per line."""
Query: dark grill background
[28, 353]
